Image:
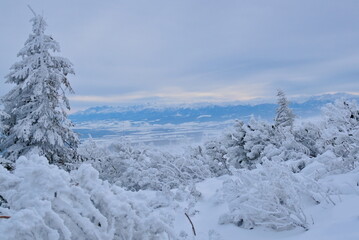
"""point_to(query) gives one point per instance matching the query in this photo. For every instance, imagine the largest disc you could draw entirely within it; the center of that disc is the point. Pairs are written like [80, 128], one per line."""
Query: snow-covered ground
[258, 181]
[327, 221]
[45, 202]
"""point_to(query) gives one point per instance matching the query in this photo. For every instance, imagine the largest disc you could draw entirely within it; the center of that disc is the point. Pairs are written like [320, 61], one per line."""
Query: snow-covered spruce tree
[284, 115]
[37, 121]
[259, 135]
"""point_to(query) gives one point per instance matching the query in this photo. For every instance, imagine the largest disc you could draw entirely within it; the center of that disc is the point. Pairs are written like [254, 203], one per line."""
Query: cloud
[194, 50]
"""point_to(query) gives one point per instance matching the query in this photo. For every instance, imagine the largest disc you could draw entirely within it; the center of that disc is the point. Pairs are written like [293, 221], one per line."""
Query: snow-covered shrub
[340, 133]
[245, 145]
[109, 159]
[9, 165]
[344, 183]
[324, 165]
[239, 147]
[45, 202]
[271, 196]
[138, 167]
[249, 143]
[308, 134]
[156, 170]
[215, 154]
[285, 147]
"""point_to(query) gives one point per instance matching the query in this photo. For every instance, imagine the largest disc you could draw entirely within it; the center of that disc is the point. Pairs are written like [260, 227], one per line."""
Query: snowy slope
[330, 222]
[44, 202]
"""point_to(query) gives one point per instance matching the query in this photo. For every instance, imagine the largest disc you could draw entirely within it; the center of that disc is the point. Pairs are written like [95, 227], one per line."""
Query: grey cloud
[127, 47]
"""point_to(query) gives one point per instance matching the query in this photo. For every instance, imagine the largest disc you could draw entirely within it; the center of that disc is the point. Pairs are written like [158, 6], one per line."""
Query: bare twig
[32, 10]
[193, 229]
[6, 217]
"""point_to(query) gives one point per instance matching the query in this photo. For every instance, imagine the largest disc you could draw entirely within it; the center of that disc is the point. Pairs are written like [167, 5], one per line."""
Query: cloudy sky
[193, 50]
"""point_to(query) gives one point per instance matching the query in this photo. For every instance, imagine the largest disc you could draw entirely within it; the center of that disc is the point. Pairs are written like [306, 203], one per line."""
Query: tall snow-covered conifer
[284, 116]
[35, 108]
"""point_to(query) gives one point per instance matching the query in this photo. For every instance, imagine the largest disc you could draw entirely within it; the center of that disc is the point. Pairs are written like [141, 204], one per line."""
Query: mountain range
[204, 112]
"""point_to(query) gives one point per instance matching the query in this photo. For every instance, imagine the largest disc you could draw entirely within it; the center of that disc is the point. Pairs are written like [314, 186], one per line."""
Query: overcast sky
[193, 50]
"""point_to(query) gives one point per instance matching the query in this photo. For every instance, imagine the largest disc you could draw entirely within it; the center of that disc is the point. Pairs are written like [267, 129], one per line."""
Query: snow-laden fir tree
[234, 145]
[259, 135]
[284, 115]
[36, 120]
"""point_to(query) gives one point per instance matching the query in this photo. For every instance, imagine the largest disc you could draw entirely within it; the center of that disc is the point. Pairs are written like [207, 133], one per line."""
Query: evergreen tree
[36, 120]
[259, 135]
[234, 145]
[284, 116]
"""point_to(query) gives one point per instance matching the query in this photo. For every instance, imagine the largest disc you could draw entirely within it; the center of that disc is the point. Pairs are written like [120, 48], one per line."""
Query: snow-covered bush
[308, 134]
[324, 165]
[215, 154]
[286, 148]
[245, 145]
[45, 202]
[264, 141]
[340, 133]
[271, 196]
[239, 147]
[138, 167]
[342, 183]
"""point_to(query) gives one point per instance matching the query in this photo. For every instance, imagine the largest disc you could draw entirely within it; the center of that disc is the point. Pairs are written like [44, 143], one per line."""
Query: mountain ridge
[199, 112]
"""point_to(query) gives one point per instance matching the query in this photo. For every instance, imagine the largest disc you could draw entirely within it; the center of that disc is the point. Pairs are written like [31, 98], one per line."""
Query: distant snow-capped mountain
[203, 112]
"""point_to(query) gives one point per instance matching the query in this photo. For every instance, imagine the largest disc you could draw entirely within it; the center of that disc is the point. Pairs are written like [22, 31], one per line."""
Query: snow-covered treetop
[36, 56]
[284, 116]
[38, 41]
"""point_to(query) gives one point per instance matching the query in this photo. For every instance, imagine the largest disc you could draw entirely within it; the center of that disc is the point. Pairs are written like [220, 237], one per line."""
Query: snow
[298, 184]
[258, 180]
[331, 222]
[45, 202]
